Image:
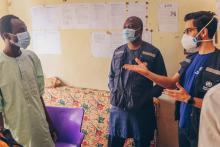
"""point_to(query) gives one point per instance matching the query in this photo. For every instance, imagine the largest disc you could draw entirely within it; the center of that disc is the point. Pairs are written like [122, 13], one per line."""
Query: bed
[94, 102]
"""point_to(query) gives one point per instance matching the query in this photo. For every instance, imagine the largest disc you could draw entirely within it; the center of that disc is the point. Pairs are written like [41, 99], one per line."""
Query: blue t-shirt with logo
[191, 74]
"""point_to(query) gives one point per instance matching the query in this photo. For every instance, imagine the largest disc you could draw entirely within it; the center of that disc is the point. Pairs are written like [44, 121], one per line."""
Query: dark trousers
[185, 140]
[188, 136]
[119, 142]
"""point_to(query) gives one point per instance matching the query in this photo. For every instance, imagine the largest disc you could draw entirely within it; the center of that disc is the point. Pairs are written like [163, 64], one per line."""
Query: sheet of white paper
[53, 14]
[103, 44]
[140, 10]
[115, 40]
[46, 17]
[100, 44]
[147, 36]
[39, 18]
[46, 42]
[117, 15]
[81, 16]
[99, 13]
[67, 19]
[168, 17]
[38, 40]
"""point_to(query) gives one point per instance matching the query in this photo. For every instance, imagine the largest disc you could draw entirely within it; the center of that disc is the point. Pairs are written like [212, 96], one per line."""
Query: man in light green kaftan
[21, 87]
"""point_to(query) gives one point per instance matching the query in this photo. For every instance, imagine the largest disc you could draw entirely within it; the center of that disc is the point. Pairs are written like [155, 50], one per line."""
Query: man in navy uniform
[132, 114]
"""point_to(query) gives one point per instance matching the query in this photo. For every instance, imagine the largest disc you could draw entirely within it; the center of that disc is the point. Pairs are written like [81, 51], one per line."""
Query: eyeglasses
[188, 30]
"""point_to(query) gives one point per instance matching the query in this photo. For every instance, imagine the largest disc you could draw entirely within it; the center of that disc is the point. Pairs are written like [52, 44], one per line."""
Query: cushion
[53, 82]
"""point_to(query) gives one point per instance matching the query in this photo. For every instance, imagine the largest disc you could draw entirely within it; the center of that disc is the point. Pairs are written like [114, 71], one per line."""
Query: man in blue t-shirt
[198, 73]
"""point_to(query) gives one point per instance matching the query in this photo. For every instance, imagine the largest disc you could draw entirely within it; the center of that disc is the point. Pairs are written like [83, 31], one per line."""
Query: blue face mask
[23, 40]
[129, 35]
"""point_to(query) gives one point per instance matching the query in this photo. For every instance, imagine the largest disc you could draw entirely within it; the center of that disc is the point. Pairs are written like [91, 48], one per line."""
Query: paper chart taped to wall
[140, 10]
[168, 17]
[46, 42]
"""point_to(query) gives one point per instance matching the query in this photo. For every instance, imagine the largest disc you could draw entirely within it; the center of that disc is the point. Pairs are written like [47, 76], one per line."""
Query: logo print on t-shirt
[198, 71]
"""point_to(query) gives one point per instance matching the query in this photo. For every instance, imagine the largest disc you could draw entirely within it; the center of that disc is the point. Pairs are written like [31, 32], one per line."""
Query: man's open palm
[141, 68]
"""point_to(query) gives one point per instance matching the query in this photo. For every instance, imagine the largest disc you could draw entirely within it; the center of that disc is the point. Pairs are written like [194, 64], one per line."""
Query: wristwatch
[191, 101]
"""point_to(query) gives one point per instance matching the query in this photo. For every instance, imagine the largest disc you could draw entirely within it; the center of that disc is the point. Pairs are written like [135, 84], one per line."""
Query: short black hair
[138, 21]
[201, 19]
[5, 23]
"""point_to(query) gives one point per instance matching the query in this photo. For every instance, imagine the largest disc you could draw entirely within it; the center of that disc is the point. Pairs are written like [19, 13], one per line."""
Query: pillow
[53, 82]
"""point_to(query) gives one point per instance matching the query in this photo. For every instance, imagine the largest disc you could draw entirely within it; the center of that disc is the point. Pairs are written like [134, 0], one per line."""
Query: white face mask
[23, 40]
[190, 44]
